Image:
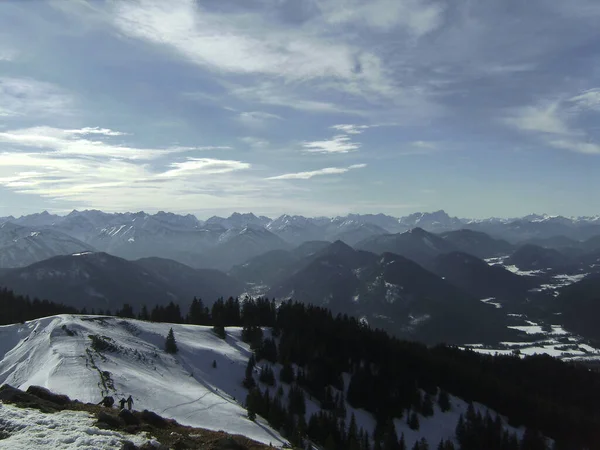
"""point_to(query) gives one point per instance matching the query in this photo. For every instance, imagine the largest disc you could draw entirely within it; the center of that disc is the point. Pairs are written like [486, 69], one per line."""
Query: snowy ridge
[57, 353]
[184, 387]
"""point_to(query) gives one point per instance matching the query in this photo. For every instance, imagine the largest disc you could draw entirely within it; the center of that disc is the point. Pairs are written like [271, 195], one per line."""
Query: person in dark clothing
[129, 403]
[122, 402]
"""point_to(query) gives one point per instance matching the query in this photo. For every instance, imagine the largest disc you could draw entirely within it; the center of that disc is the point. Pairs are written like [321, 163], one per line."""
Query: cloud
[58, 164]
[315, 173]
[257, 118]
[235, 43]
[542, 119]
[252, 44]
[271, 93]
[96, 130]
[416, 16]
[588, 148]
[424, 145]
[255, 142]
[550, 123]
[32, 98]
[202, 166]
[589, 99]
[350, 129]
[338, 144]
[68, 142]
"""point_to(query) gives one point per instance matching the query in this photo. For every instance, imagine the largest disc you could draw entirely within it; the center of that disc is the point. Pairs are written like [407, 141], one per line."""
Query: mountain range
[423, 276]
[222, 242]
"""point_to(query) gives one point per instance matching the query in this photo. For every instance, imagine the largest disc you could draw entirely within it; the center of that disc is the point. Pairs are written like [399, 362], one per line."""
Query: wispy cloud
[68, 142]
[315, 173]
[589, 99]
[552, 123]
[255, 142]
[338, 144]
[32, 98]
[59, 164]
[542, 119]
[95, 130]
[416, 16]
[349, 128]
[577, 146]
[202, 166]
[257, 118]
[234, 43]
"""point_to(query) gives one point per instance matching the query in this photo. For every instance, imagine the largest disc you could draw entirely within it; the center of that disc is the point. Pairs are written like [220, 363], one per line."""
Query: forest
[391, 378]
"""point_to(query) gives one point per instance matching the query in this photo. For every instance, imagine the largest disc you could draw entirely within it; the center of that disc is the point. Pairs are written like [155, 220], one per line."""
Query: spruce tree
[427, 406]
[170, 343]
[444, 400]
[413, 421]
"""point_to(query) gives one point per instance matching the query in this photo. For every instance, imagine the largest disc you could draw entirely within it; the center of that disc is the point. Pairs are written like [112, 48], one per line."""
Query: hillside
[101, 281]
[393, 293]
[21, 246]
[417, 245]
[57, 352]
[88, 357]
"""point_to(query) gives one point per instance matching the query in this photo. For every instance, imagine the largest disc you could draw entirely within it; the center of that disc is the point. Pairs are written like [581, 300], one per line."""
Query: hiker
[122, 402]
[129, 403]
[107, 401]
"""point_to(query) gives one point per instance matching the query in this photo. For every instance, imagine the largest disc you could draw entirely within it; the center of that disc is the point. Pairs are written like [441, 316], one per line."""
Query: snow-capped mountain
[351, 231]
[42, 219]
[295, 229]
[236, 246]
[21, 246]
[237, 220]
[193, 242]
[437, 221]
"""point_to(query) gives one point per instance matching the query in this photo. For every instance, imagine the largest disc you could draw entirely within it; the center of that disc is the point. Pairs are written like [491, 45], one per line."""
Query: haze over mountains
[423, 275]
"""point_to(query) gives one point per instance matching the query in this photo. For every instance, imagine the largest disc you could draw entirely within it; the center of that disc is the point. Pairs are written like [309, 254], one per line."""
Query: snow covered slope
[21, 246]
[56, 352]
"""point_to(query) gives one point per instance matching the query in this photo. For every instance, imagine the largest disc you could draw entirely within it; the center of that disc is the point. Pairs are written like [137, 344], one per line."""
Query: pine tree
[249, 382]
[390, 438]
[413, 422]
[427, 406]
[444, 401]
[286, 374]
[170, 343]
[251, 406]
[143, 315]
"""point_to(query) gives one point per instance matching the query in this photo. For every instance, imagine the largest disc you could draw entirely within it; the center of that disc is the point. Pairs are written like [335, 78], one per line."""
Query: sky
[313, 107]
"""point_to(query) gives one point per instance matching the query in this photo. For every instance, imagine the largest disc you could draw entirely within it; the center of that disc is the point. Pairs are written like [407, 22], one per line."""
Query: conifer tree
[413, 422]
[427, 406]
[170, 343]
[390, 438]
[444, 400]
